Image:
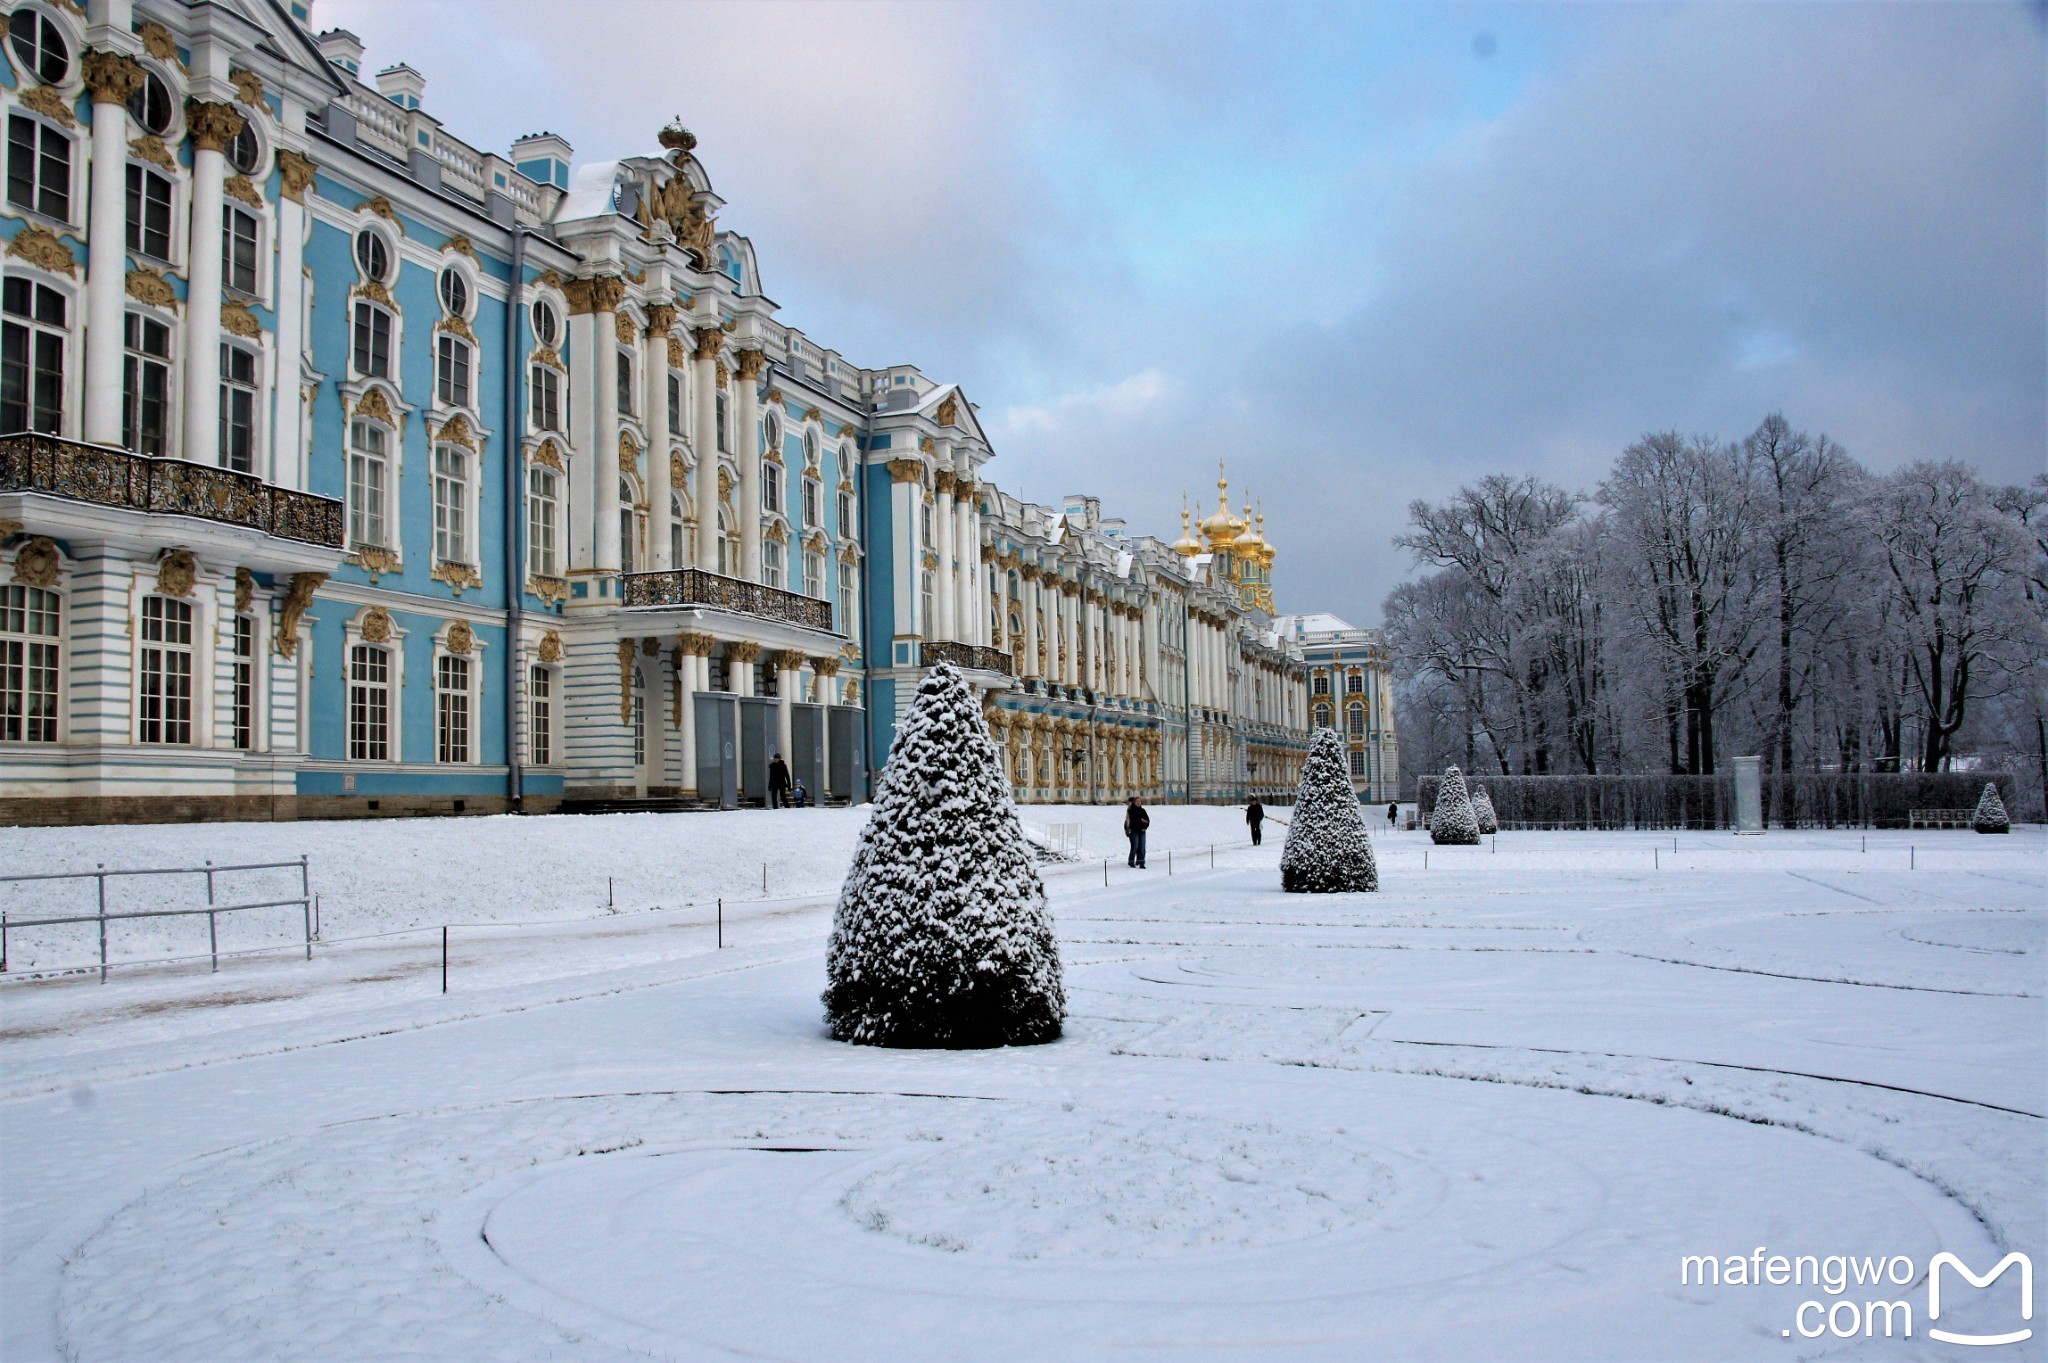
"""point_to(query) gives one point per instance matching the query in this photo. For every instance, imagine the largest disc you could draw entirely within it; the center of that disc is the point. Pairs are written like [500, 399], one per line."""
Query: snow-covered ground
[1482, 1114]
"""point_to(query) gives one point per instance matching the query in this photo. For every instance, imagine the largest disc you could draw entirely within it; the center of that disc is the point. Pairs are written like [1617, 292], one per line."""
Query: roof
[1320, 622]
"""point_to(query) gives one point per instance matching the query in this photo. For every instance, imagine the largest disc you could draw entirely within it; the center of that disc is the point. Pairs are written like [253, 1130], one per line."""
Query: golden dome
[1187, 545]
[1222, 529]
[1260, 547]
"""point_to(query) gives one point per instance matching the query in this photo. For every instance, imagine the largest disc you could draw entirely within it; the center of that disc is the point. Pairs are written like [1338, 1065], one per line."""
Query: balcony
[696, 587]
[101, 476]
[973, 657]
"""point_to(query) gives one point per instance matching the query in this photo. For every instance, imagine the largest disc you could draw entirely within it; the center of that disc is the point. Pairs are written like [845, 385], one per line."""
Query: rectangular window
[29, 645]
[814, 502]
[149, 213]
[1354, 683]
[771, 485]
[451, 709]
[146, 386]
[625, 376]
[31, 356]
[451, 504]
[38, 167]
[639, 724]
[547, 398]
[237, 408]
[927, 618]
[368, 479]
[245, 682]
[238, 251]
[1357, 721]
[540, 716]
[369, 704]
[814, 575]
[1358, 764]
[1322, 684]
[540, 522]
[719, 407]
[372, 341]
[676, 424]
[925, 526]
[771, 563]
[849, 600]
[846, 515]
[451, 369]
[165, 710]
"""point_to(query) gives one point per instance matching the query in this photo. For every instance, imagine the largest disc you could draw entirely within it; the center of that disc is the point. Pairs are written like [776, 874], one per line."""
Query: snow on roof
[1318, 622]
[592, 193]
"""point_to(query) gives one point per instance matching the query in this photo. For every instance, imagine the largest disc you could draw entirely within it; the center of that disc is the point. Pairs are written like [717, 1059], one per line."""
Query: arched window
[542, 509]
[451, 503]
[1322, 717]
[39, 45]
[814, 574]
[1357, 721]
[369, 483]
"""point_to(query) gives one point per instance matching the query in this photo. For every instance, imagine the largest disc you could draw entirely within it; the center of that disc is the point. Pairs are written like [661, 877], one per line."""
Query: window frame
[142, 234]
[167, 700]
[243, 696]
[364, 320]
[43, 33]
[540, 719]
[32, 680]
[454, 371]
[39, 338]
[773, 563]
[139, 367]
[543, 521]
[234, 271]
[42, 171]
[139, 102]
[454, 514]
[384, 460]
[359, 739]
[377, 241]
[544, 398]
[240, 410]
[454, 709]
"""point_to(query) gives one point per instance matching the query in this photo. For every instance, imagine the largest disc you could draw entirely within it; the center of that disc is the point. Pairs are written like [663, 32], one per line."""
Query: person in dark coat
[778, 782]
[1255, 815]
[1393, 813]
[1136, 821]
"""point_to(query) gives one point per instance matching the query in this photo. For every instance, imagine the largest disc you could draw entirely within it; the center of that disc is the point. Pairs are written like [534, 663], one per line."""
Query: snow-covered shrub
[1327, 850]
[1990, 815]
[1452, 822]
[942, 936]
[1482, 811]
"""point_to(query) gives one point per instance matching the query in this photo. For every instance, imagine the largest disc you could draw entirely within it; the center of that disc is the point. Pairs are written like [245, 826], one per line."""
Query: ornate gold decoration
[777, 532]
[376, 626]
[40, 247]
[381, 206]
[245, 590]
[374, 290]
[296, 600]
[650, 647]
[816, 542]
[742, 651]
[375, 406]
[49, 104]
[625, 681]
[849, 554]
[850, 692]
[695, 645]
[825, 667]
[924, 444]
[552, 590]
[147, 286]
[460, 577]
[455, 431]
[724, 375]
[212, 126]
[158, 42]
[678, 471]
[988, 553]
[906, 471]
[660, 318]
[375, 561]
[790, 659]
[675, 137]
[707, 341]
[9, 527]
[546, 355]
[724, 484]
[931, 560]
[243, 188]
[149, 147]
[175, 572]
[550, 650]
[248, 86]
[36, 563]
[750, 363]
[111, 77]
[236, 319]
[457, 326]
[461, 638]
[628, 333]
[949, 411]
[677, 355]
[629, 453]
[942, 482]
[461, 245]
[813, 414]
[685, 212]
[550, 454]
[607, 292]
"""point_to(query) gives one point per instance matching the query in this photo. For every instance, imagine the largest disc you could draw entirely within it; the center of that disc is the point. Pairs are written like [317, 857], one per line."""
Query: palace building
[348, 469]
[1351, 690]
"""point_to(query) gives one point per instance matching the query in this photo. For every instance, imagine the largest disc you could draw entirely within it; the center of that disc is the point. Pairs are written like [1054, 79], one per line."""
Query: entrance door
[849, 753]
[807, 743]
[757, 740]
[718, 767]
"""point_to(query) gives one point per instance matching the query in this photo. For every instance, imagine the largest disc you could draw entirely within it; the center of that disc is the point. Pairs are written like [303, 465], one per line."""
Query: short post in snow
[764, 878]
[1105, 873]
[1912, 857]
[721, 925]
[1653, 859]
[1169, 861]
[103, 922]
[608, 900]
[444, 958]
[3, 940]
[1212, 856]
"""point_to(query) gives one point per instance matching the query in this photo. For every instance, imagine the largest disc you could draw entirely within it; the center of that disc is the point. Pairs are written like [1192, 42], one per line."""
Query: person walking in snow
[1255, 815]
[1393, 814]
[1136, 821]
[778, 782]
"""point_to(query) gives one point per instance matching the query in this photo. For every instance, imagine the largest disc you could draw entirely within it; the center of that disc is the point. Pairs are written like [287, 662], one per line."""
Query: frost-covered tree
[1482, 811]
[1327, 850]
[1990, 815]
[942, 936]
[1452, 823]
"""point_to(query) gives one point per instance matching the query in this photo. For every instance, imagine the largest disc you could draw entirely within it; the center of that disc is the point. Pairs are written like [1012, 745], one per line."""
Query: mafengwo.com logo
[1869, 1296]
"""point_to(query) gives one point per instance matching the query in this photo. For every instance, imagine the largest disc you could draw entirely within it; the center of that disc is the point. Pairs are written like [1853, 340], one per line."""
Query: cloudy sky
[1361, 252]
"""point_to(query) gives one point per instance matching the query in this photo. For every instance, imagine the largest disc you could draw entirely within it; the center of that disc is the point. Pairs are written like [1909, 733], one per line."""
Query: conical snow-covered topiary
[1327, 850]
[1482, 811]
[942, 936]
[1990, 816]
[1452, 823]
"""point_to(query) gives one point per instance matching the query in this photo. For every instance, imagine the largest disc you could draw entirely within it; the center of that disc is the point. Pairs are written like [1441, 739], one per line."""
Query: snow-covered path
[1481, 1114]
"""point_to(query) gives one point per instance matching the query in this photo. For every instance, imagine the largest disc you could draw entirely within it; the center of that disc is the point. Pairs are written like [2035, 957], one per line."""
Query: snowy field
[1480, 1115]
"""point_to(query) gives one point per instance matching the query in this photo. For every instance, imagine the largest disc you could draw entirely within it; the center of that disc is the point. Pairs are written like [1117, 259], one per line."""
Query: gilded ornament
[849, 554]
[236, 319]
[455, 431]
[942, 481]
[158, 42]
[36, 563]
[660, 318]
[461, 639]
[742, 651]
[931, 560]
[461, 245]
[825, 667]
[374, 406]
[629, 453]
[147, 286]
[724, 484]
[375, 561]
[9, 527]
[376, 626]
[245, 590]
[851, 693]
[550, 650]
[296, 601]
[695, 645]
[707, 341]
[678, 471]
[675, 137]
[457, 326]
[924, 444]
[948, 412]
[149, 147]
[650, 647]
[111, 77]
[724, 375]
[381, 206]
[813, 414]
[547, 355]
[212, 126]
[243, 188]
[248, 86]
[176, 571]
[790, 660]
[40, 247]
[49, 104]
[627, 332]
[459, 577]
[550, 454]
[625, 681]
[677, 356]
[607, 292]
[374, 290]
[906, 471]
[750, 363]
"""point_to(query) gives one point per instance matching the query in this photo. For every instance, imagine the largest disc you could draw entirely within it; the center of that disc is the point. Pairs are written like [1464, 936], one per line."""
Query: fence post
[764, 880]
[1169, 861]
[1105, 873]
[444, 958]
[209, 880]
[721, 925]
[3, 940]
[213, 939]
[102, 878]
[1212, 856]
[306, 915]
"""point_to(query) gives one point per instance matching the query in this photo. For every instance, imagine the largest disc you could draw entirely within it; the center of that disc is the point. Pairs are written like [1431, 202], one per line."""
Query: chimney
[343, 48]
[401, 85]
[543, 158]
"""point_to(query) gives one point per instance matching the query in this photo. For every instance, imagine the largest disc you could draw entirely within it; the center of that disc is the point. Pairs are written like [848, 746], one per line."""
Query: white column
[945, 600]
[113, 78]
[788, 667]
[582, 438]
[1028, 604]
[211, 126]
[606, 293]
[688, 679]
[288, 412]
[739, 667]
[970, 577]
[704, 392]
[746, 441]
[660, 317]
[906, 498]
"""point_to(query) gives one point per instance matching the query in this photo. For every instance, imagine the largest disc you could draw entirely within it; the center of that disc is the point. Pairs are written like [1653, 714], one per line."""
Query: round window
[774, 433]
[454, 292]
[39, 45]
[373, 256]
[151, 104]
[546, 326]
[810, 447]
[245, 153]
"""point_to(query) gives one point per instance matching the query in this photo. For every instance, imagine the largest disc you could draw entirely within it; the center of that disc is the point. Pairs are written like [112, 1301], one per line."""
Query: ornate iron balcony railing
[695, 587]
[965, 655]
[174, 487]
